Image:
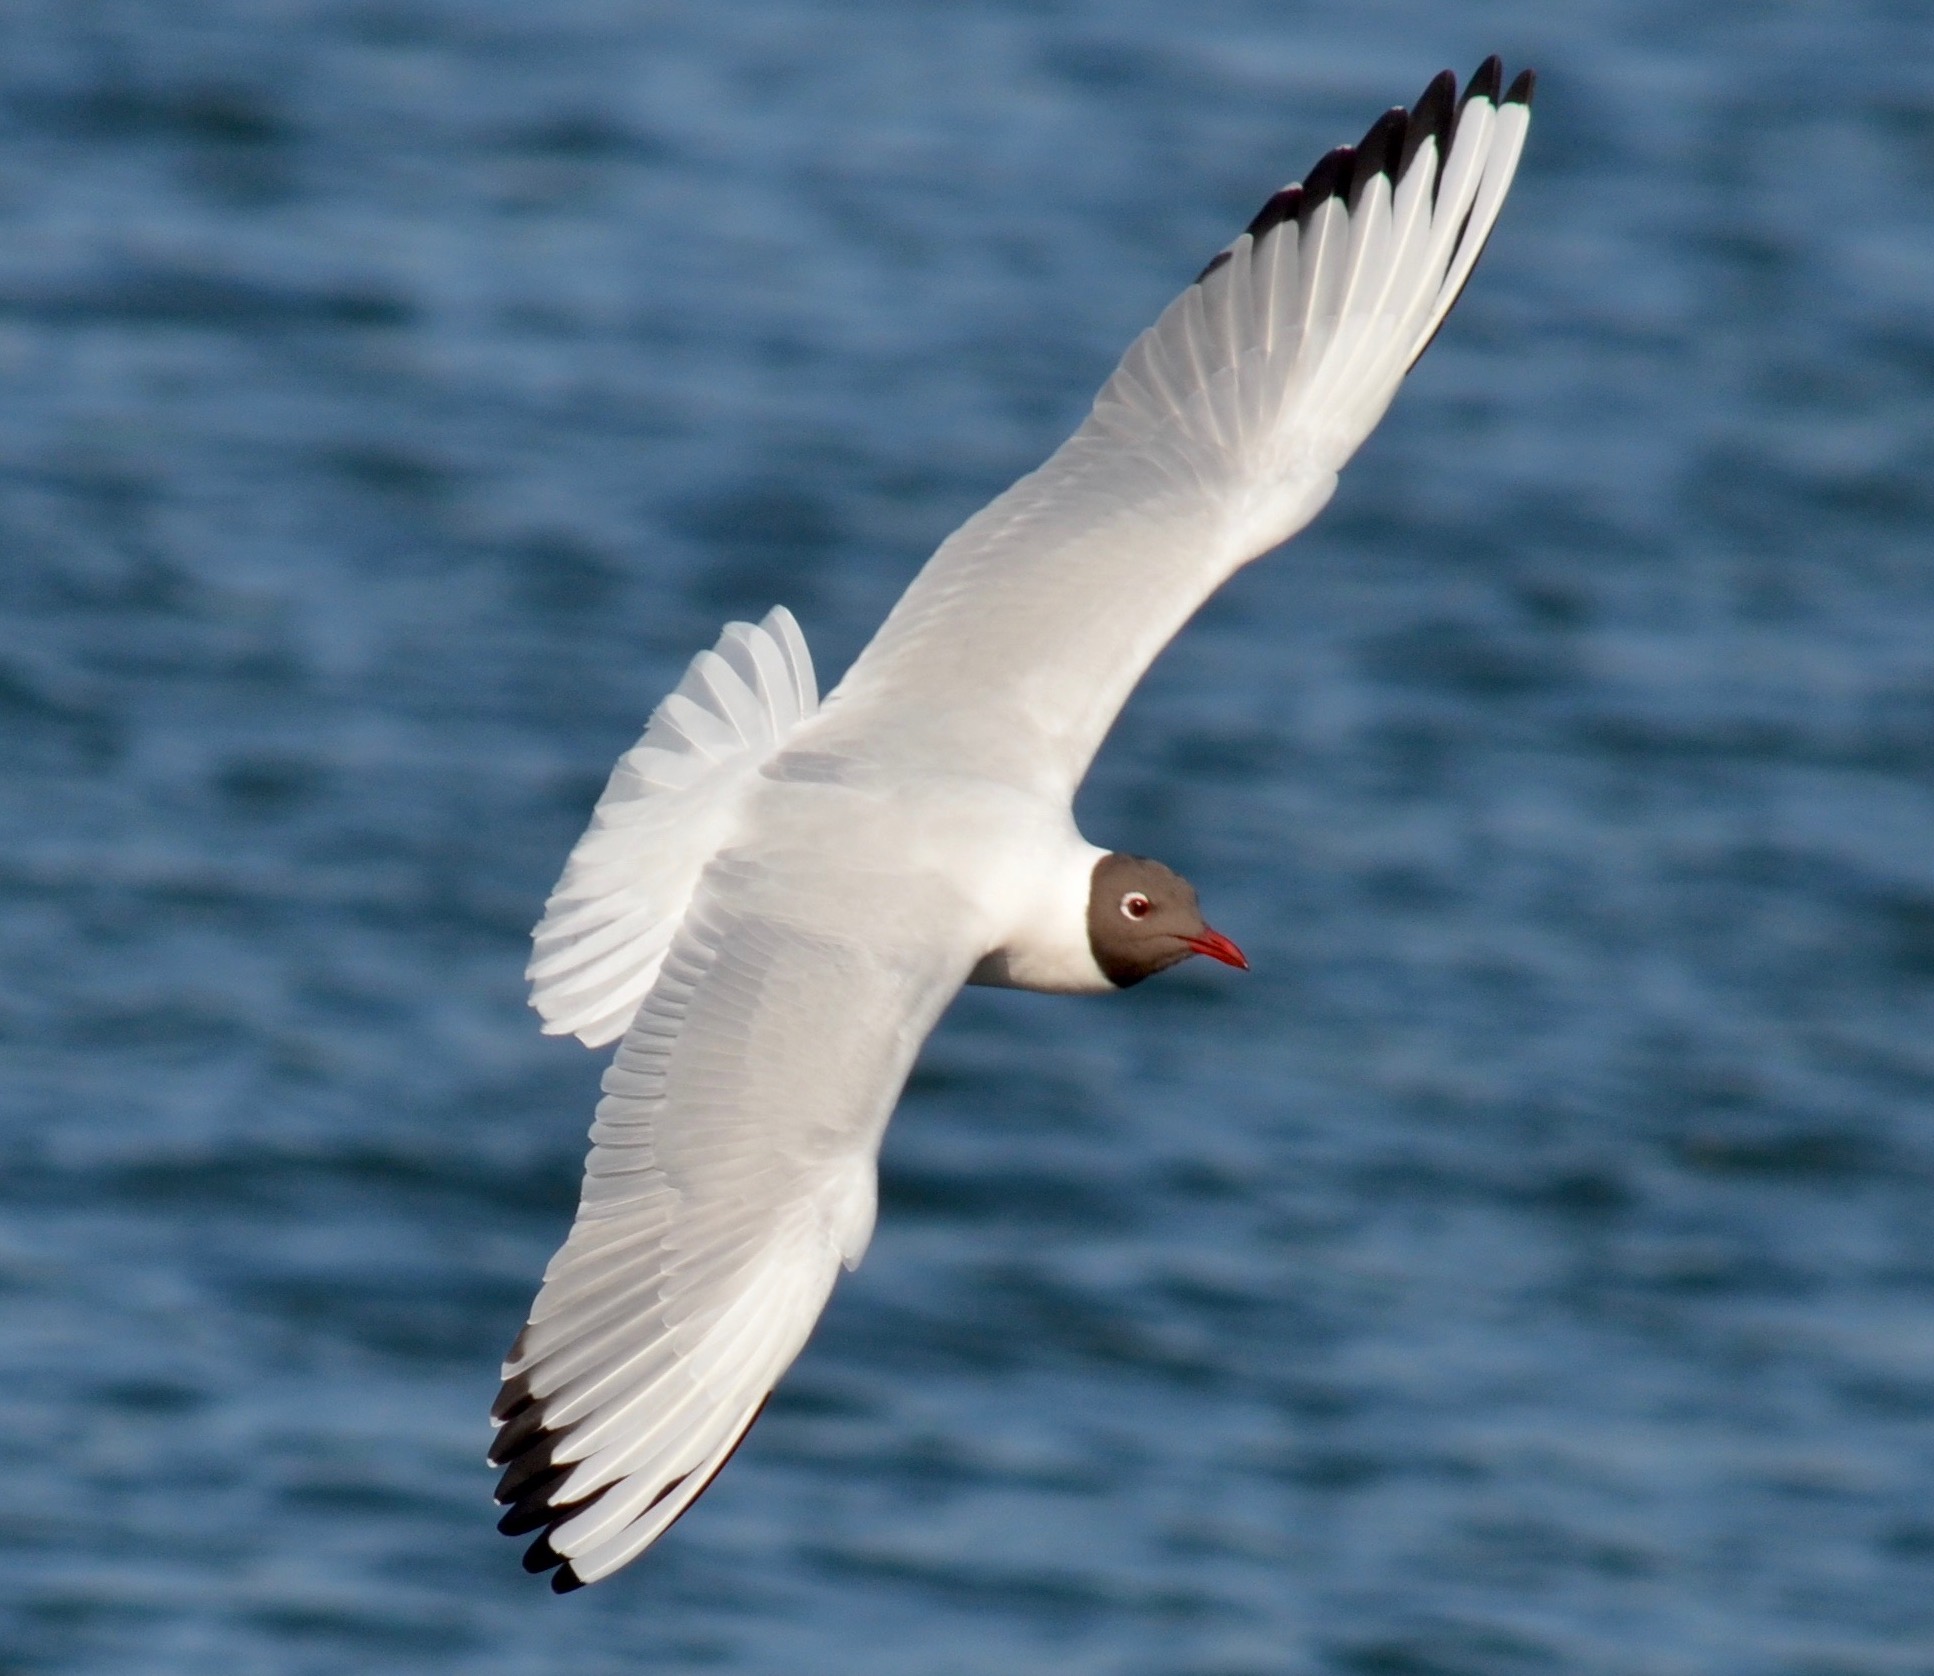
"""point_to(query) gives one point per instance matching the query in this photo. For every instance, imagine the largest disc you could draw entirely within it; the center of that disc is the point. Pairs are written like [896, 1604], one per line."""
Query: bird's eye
[1135, 905]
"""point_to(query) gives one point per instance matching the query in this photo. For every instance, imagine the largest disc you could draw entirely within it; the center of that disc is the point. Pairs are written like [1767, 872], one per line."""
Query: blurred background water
[1528, 1267]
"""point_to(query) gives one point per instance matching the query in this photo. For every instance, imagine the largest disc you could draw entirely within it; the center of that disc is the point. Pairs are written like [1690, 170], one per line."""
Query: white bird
[777, 898]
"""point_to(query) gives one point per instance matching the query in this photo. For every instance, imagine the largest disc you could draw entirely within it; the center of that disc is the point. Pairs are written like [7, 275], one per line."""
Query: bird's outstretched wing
[732, 1173]
[1218, 437]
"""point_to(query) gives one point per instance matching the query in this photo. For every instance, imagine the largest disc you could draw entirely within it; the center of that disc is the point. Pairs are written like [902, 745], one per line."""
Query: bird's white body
[777, 898]
[1022, 895]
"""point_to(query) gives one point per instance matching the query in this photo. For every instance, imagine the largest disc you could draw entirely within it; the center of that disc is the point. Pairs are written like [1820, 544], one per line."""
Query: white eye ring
[1135, 905]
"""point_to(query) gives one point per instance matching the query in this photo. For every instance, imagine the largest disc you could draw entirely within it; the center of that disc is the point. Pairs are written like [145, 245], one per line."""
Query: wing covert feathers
[668, 806]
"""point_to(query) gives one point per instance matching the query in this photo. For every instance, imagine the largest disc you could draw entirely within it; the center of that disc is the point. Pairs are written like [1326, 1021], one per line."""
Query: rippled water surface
[1528, 1267]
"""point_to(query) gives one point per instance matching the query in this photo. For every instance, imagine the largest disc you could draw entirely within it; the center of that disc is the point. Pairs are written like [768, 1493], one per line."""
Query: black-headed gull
[777, 898]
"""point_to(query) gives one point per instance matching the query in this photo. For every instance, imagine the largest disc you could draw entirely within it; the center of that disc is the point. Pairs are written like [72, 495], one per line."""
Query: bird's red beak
[1218, 947]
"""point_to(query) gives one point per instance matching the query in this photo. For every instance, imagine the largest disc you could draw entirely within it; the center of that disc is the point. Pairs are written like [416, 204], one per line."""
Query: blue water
[1528, 1267]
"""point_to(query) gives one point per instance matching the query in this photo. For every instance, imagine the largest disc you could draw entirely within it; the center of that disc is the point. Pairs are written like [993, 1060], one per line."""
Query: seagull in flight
[777, 897]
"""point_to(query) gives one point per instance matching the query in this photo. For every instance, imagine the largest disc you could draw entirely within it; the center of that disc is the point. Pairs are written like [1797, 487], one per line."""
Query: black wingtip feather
[536, 1472]
[1329, 179]
[1282, 206]
[540, 1556]
[1430, 119]
[1389, 148]
[534, 1508]
[1379, 150]
[513, 1399]
[1215, 261]
[526, 1517]
[1485, 84]
[517, 1435]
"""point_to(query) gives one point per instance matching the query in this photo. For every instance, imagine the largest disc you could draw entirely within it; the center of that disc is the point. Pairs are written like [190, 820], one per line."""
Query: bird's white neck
[1046, 908]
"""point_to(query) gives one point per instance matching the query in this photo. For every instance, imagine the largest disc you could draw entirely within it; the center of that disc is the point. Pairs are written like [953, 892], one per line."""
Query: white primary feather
[670, 804]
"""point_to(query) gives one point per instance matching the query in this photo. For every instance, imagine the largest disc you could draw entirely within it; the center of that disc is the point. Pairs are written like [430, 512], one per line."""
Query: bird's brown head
[1144, 918]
